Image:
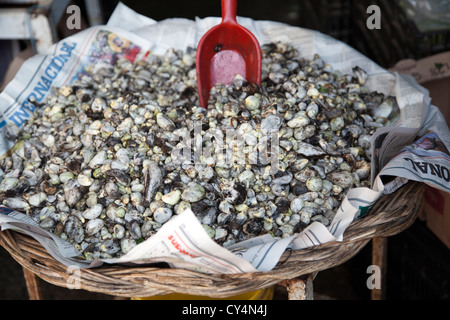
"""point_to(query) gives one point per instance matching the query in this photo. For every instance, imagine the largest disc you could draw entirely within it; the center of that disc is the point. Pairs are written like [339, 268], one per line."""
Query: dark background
[397, 39]
[345, 20]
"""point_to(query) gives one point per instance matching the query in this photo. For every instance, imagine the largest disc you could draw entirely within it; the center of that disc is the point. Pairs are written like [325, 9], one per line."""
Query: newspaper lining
[182, 242]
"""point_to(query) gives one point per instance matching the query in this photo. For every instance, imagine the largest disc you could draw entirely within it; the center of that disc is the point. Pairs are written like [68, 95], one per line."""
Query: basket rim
[390, 215]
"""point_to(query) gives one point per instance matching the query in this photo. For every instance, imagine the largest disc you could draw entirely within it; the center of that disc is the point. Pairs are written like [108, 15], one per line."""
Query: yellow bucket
[263, 294]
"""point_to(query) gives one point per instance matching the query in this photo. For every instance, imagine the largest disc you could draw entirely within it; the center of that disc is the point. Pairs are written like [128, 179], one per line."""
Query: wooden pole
[33, 285]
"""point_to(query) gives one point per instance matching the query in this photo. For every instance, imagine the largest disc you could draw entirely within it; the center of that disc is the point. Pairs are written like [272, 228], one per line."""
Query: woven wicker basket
[389, 216]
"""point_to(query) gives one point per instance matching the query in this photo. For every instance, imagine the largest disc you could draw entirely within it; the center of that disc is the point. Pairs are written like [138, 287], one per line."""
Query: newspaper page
[64, 62]
[58, 248]
[182, 241]
[413, 102]
[428, 158]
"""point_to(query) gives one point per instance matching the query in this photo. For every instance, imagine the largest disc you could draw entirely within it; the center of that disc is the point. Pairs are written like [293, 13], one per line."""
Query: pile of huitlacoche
[106, 161]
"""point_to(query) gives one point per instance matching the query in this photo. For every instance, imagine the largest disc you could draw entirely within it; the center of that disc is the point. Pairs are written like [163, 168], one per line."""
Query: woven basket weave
[389, 216]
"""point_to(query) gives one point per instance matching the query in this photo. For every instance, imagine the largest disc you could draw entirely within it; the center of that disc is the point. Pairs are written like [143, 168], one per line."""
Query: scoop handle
[229, 10]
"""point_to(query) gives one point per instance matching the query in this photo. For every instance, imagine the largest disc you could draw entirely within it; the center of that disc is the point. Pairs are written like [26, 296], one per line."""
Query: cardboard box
[440, 95]
[437, 211]
[432, 73]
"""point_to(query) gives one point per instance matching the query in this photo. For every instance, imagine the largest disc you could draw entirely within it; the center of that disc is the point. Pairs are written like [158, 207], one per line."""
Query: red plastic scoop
[224, 51]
